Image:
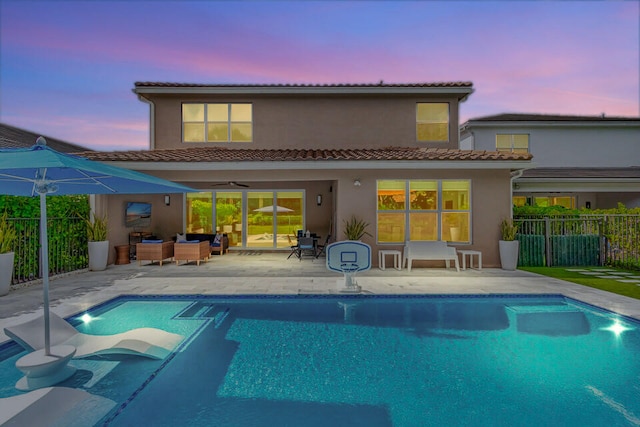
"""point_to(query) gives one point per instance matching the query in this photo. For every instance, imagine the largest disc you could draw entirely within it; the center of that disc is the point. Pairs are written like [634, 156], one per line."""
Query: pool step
[554, 320]
[541, 308]
[205, 310]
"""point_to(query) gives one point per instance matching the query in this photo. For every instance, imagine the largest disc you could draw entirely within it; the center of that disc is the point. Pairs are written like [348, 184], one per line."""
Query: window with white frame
[432, 122]
[512, 142]
[423, 210]
[217, 122]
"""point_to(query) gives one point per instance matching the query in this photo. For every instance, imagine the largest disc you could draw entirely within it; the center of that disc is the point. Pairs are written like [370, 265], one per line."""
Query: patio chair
[306, 245]
[321, 248]
[294, 248]
[192, 251]
[220, 244]
[153, 251]
[147, 342]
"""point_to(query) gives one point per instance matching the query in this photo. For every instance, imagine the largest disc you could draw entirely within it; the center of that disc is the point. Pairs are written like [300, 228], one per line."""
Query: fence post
[547, 240]
[601, 239]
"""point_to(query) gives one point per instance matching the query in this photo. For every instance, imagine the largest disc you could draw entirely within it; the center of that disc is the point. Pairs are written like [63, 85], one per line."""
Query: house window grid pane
[513, 143]
[432, 126]
[415, 227]
[219, 125]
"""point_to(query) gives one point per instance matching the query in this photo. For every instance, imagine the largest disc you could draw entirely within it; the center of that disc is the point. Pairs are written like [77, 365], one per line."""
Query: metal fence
[585, 240]
[67, 247]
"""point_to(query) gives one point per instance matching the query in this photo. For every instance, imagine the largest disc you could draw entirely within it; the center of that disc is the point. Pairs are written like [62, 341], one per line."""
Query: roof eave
[470, 124]
[462, 92]
[329, 165]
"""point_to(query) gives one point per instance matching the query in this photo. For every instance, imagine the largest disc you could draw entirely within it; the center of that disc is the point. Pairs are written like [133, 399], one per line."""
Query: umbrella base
[42, 370]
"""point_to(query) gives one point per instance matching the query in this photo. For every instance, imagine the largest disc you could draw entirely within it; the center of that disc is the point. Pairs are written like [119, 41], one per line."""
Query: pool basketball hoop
[348, 258]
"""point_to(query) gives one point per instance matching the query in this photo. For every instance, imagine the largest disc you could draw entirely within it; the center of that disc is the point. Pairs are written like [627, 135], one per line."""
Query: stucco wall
[312, 121]
[489, 200]
[561, 146]
[166, 221]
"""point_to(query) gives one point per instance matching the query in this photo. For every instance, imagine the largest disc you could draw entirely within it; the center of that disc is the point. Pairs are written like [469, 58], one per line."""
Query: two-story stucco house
[273, 159]
[580, 161]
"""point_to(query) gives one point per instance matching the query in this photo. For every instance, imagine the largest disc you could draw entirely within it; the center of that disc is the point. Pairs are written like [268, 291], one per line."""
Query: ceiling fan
[231, 184]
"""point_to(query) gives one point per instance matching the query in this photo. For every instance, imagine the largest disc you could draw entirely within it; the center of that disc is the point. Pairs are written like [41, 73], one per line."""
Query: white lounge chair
[147, 342]
[59, 406]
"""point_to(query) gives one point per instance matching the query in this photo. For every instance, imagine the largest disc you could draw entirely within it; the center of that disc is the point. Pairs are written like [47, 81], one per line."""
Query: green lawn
[610, 285]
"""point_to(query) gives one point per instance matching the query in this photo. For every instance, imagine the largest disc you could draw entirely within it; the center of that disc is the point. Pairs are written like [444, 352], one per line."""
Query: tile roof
[13, 137]
[301, 85]
[217, 154]
[517, 117]
[583, 173]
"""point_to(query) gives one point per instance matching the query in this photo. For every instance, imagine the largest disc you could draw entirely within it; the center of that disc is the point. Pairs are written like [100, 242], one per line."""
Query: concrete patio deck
[254, 272]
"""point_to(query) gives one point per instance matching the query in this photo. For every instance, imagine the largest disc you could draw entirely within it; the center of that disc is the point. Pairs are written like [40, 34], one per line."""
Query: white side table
[382, 259]
[464, 254]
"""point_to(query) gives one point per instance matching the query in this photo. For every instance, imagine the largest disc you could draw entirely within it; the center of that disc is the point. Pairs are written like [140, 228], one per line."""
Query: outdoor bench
[429, 251]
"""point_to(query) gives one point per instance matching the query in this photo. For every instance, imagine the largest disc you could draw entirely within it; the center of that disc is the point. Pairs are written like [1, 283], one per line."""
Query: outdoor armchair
[192, 251]
[154, 251]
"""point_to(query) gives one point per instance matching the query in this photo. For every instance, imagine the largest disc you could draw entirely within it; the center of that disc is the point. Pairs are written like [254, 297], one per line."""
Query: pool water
[365, 361]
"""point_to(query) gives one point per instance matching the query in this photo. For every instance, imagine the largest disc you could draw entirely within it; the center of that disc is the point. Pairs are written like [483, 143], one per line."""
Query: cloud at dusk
[67, 68]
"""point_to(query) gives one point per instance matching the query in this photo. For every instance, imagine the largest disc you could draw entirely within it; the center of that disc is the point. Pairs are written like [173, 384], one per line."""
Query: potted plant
[8, 237]
[508, 245]
[355, 228]
[98, 243]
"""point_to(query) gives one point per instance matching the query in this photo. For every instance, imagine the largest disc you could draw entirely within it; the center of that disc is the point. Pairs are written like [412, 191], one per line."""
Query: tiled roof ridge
[505, 117]
[223, 154]
[381, 83]
[15, 137]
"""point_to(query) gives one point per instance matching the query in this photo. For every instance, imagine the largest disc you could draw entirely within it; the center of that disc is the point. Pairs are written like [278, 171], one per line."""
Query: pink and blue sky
[67, 68]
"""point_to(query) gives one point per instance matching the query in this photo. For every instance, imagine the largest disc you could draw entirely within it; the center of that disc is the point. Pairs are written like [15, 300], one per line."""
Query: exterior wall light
[167, 200]
[319, 199]
[357, 183]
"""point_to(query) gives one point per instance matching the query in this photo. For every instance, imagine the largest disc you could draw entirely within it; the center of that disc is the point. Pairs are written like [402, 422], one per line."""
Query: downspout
[514, 175]
[152, 127]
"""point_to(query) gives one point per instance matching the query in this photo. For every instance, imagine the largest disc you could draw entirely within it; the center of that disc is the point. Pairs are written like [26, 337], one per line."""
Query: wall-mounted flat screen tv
[138, 215]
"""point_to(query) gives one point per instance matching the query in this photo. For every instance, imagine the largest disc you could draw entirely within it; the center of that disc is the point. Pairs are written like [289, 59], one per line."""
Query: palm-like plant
[508, 230]
[97, 230]
[355, 228]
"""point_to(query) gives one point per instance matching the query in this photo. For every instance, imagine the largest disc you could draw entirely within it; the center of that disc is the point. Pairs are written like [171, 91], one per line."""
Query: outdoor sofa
[219, 245]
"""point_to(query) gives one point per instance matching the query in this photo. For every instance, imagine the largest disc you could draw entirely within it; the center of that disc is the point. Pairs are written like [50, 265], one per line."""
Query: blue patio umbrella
[42, 171]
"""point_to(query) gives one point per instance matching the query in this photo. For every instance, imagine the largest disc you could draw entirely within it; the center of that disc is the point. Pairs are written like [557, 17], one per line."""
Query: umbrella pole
[44, 256]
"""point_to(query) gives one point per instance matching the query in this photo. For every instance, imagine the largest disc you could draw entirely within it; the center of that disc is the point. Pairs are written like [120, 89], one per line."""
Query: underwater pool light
[86, 318]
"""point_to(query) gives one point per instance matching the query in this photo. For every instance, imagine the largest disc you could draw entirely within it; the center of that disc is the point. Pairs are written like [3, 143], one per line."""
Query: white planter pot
[98, 255]
[6, 271]
[509, 254]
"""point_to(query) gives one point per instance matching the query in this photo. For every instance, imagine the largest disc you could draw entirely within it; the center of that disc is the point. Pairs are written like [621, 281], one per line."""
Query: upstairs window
[432, 122]
[219, 122]
[512, 143]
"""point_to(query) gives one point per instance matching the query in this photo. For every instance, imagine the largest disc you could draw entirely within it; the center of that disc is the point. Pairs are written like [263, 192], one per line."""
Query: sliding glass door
[251, 219]
[271, 216]
[229, 215]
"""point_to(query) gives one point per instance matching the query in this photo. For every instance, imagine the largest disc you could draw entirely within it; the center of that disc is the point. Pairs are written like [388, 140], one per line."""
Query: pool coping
[74, 293]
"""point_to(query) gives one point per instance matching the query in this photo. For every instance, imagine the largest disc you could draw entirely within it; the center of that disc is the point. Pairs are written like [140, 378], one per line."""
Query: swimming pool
[365, 360]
